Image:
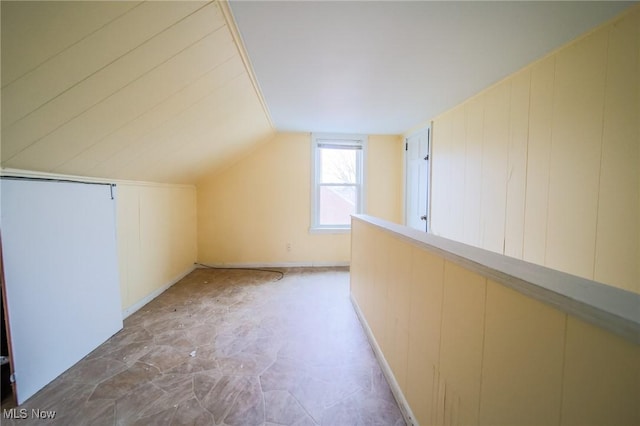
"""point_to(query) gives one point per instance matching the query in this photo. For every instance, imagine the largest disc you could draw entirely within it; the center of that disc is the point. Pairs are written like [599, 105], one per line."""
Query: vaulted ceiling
[154, 91]
[386, 66]
[163, 90]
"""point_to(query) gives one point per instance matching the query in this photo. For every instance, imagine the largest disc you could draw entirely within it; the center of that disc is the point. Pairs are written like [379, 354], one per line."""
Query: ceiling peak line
[237, 38]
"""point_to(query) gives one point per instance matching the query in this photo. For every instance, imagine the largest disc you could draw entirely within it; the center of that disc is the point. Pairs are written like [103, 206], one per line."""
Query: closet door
[61, 273]
[417, 180]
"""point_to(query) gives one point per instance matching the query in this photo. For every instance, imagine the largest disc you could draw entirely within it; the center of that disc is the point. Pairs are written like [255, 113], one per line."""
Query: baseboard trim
[148, 298]
[409, 418]
[277, 265]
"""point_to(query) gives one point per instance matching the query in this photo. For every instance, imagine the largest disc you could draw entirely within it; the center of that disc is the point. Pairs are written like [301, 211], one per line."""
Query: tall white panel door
[61, 273]
[417, 180]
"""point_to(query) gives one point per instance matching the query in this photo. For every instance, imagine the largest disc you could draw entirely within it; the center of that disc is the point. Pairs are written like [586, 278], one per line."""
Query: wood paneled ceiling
[152, 91]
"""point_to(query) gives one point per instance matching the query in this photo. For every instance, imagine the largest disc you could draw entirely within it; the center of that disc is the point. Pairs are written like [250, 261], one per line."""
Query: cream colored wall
[156, 227]
[545, 165]
[467, 350]
[248, 213]
[384, 177]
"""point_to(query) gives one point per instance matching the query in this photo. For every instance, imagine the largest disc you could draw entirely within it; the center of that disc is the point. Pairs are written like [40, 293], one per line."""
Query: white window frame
[318, 140]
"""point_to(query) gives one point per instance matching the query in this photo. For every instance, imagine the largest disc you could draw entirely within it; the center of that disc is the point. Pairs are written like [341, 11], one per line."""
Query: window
[337, 180]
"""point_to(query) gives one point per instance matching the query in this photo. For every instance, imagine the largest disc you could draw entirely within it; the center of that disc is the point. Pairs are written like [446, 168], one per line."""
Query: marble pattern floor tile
[231, 347]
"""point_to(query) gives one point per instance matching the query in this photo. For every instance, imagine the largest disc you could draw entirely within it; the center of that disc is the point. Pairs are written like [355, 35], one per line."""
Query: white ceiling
[383, 67]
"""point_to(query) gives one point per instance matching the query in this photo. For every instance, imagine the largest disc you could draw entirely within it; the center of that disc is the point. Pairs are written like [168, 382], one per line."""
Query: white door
[61, 275]
[417, 180]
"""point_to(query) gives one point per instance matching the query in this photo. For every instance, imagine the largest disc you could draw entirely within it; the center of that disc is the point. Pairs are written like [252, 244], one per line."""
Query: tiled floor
[232, 348]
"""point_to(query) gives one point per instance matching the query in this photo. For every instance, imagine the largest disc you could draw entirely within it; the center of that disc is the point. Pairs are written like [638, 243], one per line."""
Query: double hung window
[337, 179]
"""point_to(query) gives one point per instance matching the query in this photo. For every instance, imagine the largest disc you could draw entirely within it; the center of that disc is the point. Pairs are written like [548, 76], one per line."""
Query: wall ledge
[608, 307]
[90, 179]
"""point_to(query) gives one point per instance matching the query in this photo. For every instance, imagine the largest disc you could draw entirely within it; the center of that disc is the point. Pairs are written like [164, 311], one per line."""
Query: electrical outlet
[288, 246]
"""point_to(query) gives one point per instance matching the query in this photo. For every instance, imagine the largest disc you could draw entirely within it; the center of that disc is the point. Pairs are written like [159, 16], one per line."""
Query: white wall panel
[61, 272]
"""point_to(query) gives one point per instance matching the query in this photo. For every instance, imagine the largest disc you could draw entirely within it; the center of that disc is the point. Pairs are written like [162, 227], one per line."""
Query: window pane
[337, 204]
[337, 165]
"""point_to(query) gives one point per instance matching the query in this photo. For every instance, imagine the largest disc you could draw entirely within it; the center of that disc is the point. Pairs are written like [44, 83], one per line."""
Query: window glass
[337, 204]
[337, 181]
[337, 165]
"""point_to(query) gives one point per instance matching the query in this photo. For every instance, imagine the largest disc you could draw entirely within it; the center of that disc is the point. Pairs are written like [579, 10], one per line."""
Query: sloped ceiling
[387, 66]
[160, 90]
[153, 91]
